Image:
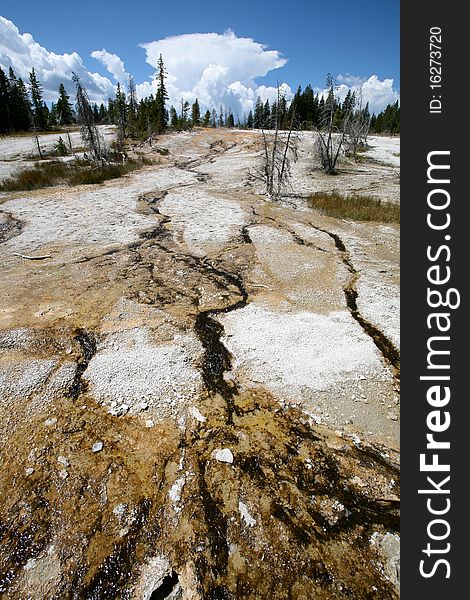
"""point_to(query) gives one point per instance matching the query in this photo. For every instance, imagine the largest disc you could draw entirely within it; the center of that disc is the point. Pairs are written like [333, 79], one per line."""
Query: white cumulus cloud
[22, 52]
[113, 64]
[374, 91]
[218, 69]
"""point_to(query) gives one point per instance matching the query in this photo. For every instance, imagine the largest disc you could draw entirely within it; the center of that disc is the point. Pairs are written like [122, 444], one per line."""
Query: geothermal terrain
[199, 385]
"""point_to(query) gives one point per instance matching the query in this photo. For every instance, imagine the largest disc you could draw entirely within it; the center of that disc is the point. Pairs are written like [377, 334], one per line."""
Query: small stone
[194, 411]
[245, 515]
[119, 510]
[29, 471]
[149, 423]
[49, 422]
[97, 447]
[392, 416]
[63, 474]
[223, 455]
[63, 461]
[120, 410]
[30, 564]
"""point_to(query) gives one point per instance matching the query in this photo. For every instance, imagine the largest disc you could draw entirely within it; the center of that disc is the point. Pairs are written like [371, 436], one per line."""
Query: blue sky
[359, 38]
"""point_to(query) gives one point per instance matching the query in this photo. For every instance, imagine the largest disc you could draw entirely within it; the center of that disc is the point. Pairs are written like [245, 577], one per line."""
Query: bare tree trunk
[88, 129]
[38, 145]
[278, 150]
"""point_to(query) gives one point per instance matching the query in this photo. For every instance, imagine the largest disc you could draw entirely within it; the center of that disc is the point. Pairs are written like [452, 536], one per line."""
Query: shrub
[356, 208]
[60, 148]
[78, 172]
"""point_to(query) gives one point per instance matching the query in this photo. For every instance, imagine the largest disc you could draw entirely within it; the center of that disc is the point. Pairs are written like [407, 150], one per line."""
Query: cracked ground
[199, 386]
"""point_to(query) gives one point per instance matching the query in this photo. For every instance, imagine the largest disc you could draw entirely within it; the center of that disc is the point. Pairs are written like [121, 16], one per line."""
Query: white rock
[63, 474]
[30, 564]
[29, 471]
[97, 447]
[63, 461]
[175, 492]
[49, 422]
[118, 411]
[194, 412]
[119, 510]
[223, 455]
[245, 515]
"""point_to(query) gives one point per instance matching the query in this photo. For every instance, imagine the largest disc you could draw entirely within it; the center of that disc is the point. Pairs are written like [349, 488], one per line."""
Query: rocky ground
[199, 386]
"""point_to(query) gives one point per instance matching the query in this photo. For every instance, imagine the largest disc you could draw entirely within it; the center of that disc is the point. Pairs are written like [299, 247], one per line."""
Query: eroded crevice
[24, 537]
[386, 347]
[166, 588]
[118, 568]
[216, 361]
[87, 344]
[216, 524]
[245, 235]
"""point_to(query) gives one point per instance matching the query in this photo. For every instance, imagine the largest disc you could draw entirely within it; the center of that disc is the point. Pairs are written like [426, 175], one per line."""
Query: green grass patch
[78, 172]
[355, 208]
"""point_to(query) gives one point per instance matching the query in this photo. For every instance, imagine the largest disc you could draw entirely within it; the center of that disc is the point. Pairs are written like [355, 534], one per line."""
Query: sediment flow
[199, 388]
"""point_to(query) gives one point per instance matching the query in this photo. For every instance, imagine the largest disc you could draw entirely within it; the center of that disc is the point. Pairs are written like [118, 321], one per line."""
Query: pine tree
[249, 120]
[112, 114]
[230, 120]
[184, 113]
[266, 115]
[295, 107]
[214, 118]
[161, 116]
[308, 107]
[282, 112]
[39, 108]
[173, 117]
[20, 107]
[131, 106]
[60, 147]
[206, 121]
[121, 115]
[52, 121]
[258, 116]
[195, 113]
[5, 121]
[64, 108]
[103, 114]
[132, 96]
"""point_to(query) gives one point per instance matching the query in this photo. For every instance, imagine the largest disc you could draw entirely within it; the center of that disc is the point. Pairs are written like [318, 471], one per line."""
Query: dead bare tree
[36, 137]
[357, 127]
[89, 132]
[330, 139]
[279, 151]
[70, 142]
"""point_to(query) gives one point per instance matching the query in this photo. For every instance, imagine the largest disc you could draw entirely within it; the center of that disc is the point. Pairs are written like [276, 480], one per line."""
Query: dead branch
[32, 257]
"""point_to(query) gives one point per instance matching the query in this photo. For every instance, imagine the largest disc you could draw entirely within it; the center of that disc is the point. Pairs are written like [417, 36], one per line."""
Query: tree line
[22, 108]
